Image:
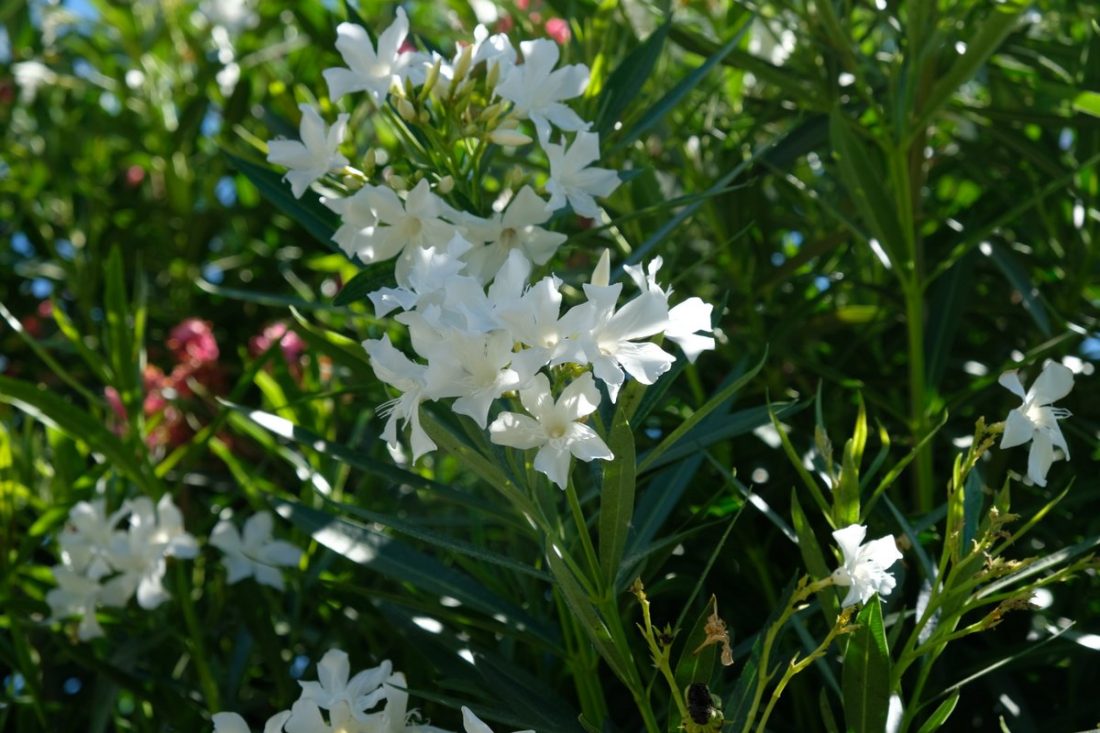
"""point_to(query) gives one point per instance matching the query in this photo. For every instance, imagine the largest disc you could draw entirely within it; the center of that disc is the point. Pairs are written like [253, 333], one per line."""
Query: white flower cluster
[106, 564]
[481, 329]
[340, 703]
[102, 564]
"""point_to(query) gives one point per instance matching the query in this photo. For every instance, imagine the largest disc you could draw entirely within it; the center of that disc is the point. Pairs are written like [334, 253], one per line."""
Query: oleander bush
[374, 367]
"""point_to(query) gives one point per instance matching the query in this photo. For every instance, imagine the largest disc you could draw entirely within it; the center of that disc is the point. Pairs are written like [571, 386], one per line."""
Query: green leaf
[261, 298]
[404, 564]
[1087, 102]
[617, 497]
[527, 696]
[587, 615]
[338, 347]
[827, 718]
[736, 707]
[981, 44]
[626, 81]
[718, 400]
[308, 211]
[443, 542]
[846, 496]
[1018, 277]
[940, 716]
[812, 556]
[365, 281]
[691, 667]
[657, 111]
[862, 174]
[55, 410]
[947, 300]
[866, 674]
[120, 349]
[718, 428]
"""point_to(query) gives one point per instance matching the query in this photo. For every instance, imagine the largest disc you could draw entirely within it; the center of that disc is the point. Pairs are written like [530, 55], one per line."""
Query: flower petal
[1052, 385]
[1018, 430]
[1010, 380]
[1040, 457]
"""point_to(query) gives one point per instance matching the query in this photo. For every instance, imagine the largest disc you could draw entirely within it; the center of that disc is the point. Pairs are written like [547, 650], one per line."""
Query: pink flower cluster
[555, 28]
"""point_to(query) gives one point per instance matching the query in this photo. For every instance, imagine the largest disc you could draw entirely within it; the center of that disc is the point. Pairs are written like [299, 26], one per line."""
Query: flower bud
[370, 162]
[601, 276]
[406, 109]
[462, 67]
[431, 79]
[510, 138]
[446, 185]
[493, 77]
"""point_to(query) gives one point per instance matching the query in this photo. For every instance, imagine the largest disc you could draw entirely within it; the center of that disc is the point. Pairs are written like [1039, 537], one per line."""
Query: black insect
[699, 703]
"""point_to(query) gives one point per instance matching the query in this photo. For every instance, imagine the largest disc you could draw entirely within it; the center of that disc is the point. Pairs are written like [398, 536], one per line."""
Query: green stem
[797, 665]
[762, 674]
[911, 277]
[198, 648]
[582, 530]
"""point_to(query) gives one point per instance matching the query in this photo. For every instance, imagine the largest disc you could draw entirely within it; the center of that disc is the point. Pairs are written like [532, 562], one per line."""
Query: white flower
[554, 428]
[686, 320]
[29, 76]
[233, 15]
[607, 337]
[88, 537]
[475, 368]
[473, 724]
[1036, 420]
[572, 180]
[516, 229]
[75, 595]
[233, 723]
[401, 227]
[408, 377]
[139, 554]
[357, 221]
[866, 567]
[537, 89]
[369, 69]
[333, 689]
[494, 49]
[315, 155]
[431, 271]
[255, 554]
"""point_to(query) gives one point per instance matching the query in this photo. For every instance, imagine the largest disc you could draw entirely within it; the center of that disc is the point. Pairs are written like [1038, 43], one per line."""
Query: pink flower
[290, 343]
[558, 29]
[192, 342]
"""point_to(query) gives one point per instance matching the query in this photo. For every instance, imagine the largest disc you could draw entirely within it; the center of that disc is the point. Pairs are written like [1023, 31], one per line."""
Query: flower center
[509, 238]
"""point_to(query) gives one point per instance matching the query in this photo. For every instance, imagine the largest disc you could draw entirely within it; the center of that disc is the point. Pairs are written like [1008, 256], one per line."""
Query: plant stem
[797, 665]
[582, 530]
[198, 648]
[762, 675]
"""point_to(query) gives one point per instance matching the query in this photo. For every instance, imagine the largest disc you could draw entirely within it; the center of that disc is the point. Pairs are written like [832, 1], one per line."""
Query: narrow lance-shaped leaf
[866, 676]
[710, 406]
[864, 180]
[626, 81]
[308, 211]
[617, 497]
[55, 410]
[986, 39]
[812, 556]
[404, 564]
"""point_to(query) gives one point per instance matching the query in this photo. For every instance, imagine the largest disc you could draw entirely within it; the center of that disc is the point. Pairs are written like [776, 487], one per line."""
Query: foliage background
[1001, 191]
